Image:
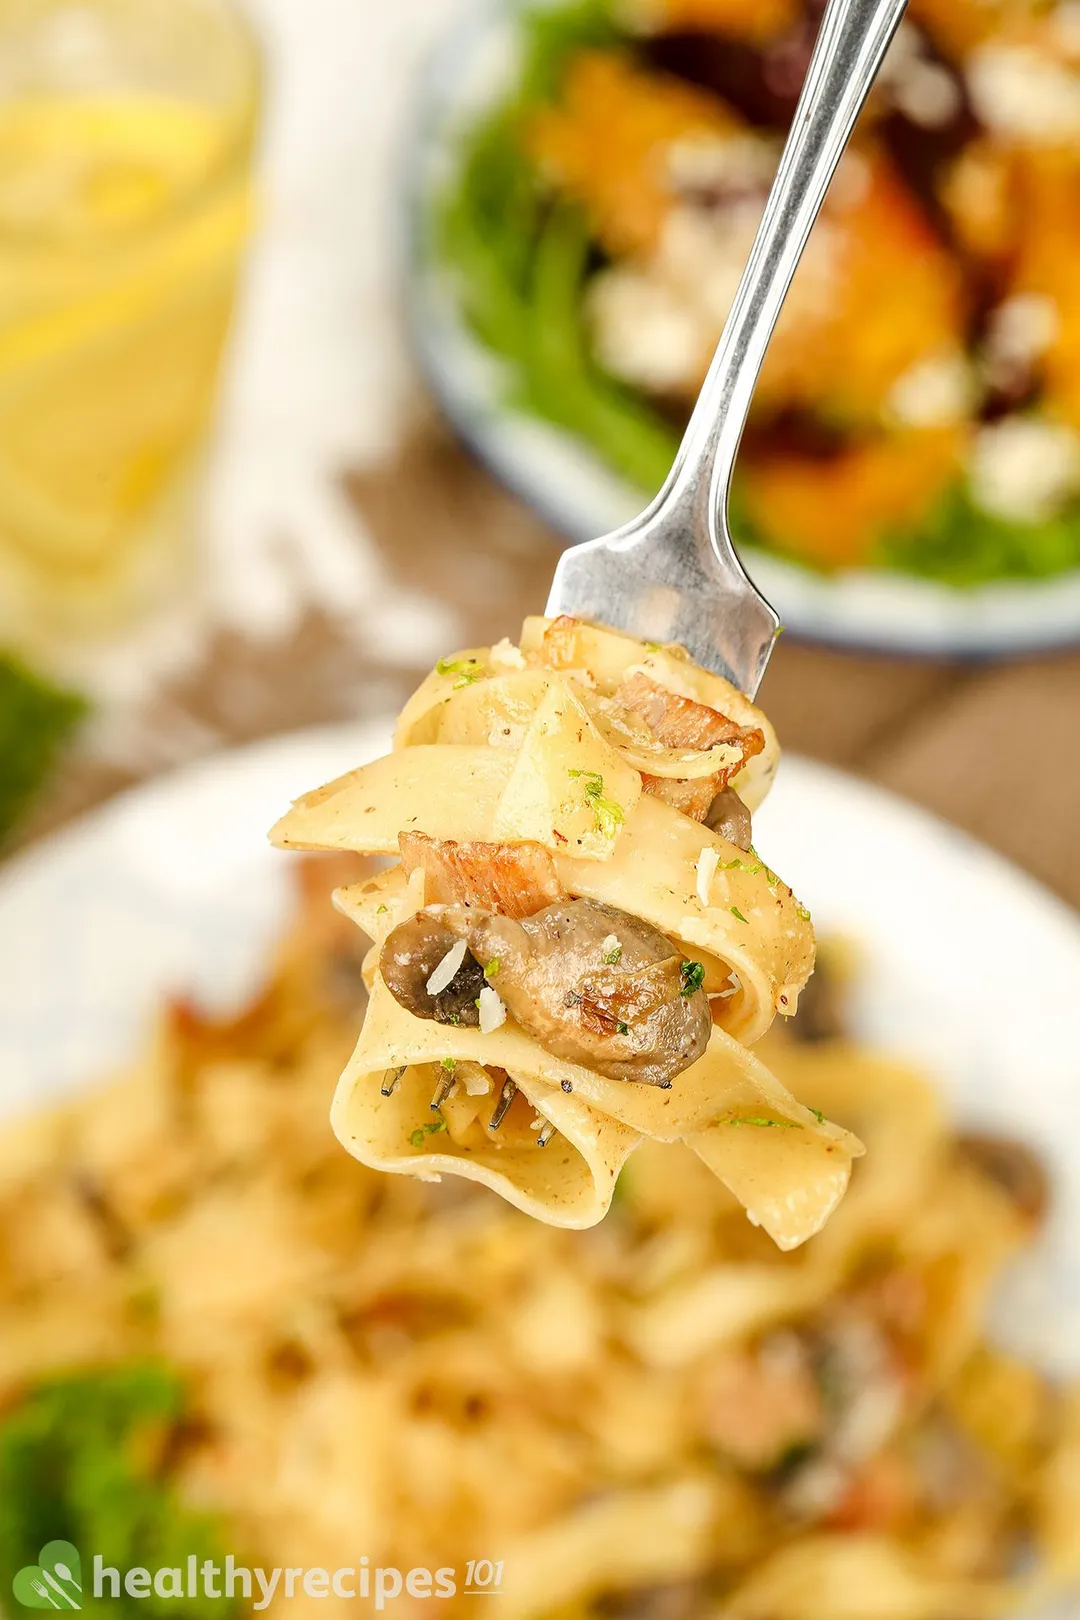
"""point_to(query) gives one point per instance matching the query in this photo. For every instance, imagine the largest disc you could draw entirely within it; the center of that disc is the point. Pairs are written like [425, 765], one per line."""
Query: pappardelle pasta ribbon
[578, 941]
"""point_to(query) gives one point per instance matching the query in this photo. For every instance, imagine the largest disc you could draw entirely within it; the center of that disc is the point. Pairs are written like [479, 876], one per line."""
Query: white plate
[579, 495]
[970, 967]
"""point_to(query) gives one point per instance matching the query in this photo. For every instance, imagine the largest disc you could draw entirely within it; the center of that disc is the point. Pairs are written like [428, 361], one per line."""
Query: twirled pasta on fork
[578, 943]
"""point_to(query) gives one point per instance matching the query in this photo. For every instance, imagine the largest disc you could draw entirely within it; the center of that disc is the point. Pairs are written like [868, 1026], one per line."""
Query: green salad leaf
[36, 718]
[82, 1459]
[960, 544]
[522, 258]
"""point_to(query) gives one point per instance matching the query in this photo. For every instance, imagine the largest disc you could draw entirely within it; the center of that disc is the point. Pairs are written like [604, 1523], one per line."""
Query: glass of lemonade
[126, 134]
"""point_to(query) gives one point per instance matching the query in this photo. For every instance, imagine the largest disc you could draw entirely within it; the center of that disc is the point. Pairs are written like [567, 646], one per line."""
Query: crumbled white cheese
[644, 332]
[474, 1078]
[505, 653]
[707, 862]
[924, 90]
[1019, 331]
[492, 1010]
[934, 392]
[928, 95]
[1017, 91]
[1024, 469]
[740, 162]
[447, 968]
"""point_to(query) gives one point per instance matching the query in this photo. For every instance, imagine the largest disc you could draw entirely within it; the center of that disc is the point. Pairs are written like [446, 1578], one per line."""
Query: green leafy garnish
[735, 912]
[84, 1458]
[609, 815]
[467, 670]
[801, 912]
[613, 957]
[449, 1064]
[428, 1129]
[36, 719]
[492, 968]
[380, 909]
[818, 1115]
[765, 1124]
[691, 977]
[623, 1029]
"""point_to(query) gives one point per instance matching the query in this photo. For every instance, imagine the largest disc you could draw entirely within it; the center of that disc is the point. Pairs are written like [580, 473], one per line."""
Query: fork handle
[852, 41]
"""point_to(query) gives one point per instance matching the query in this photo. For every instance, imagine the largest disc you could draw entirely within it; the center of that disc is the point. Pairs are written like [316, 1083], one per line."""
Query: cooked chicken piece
[597, 987]
[678, 722]
[514, 879]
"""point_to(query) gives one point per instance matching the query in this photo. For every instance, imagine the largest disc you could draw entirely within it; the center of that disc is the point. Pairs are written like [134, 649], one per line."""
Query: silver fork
[672, 574]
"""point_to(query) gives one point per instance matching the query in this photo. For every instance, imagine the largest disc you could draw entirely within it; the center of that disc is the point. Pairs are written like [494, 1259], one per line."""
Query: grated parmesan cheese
[446, 969]
[475, 1079]
[707, 862]
[505, 653]
[492, 1010]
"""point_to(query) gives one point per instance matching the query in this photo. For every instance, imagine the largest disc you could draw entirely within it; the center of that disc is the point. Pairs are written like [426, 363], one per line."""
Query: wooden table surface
[993, 748]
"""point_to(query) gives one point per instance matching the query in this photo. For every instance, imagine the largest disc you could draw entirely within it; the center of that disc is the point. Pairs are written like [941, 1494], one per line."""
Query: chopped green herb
[691, 977]
[449, 1064]
[623, 1029]
[430, 1129]
[609, 815]
[759, 1119]
[801, 911]
[492, 968]
[455, 1018]
[769, 873]
[818, 1115]
[467, 670]
[36, 720]
[652, 646]
[380, 909]
[735, 912]
[613, 957]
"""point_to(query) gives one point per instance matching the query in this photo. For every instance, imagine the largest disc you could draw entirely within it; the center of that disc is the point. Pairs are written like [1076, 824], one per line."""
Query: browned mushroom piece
[1013, 1167]
[728, 816]
[412, 952]
[597, 987]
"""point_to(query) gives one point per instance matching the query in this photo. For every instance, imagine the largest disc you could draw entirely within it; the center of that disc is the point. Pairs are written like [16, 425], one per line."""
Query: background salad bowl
[909, 531]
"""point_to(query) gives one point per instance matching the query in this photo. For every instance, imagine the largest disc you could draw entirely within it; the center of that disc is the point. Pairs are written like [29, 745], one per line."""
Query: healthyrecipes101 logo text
[56, 1581]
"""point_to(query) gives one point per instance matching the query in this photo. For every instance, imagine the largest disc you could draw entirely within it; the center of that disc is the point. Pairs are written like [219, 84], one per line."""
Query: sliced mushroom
[412, 952]
[728, 816]
[598, 987]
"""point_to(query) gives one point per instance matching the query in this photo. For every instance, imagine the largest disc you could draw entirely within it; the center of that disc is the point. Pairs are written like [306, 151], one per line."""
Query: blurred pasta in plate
[663, 1418]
